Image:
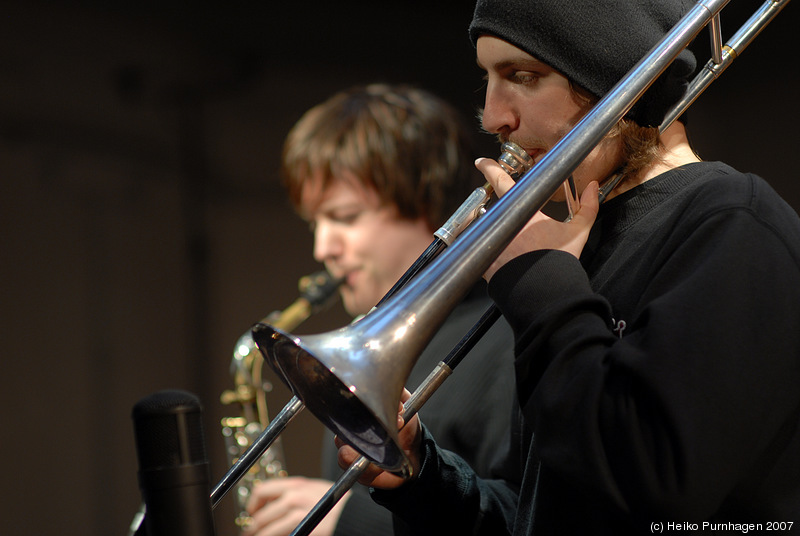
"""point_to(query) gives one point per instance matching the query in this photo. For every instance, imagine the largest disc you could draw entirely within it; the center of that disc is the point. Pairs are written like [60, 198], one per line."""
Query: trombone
[331, 373]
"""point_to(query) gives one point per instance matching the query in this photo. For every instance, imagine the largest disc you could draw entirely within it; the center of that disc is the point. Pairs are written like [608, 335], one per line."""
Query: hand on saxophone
[278, 505]
[374, 476]
[541, 231]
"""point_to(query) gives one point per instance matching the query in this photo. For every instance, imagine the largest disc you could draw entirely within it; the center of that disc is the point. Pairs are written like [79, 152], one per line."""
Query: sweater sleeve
[362, 517]
[665, 420]
[447, 497]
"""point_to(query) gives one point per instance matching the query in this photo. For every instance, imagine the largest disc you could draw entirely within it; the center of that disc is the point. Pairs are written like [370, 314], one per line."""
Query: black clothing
[658, 375]
[470, 413]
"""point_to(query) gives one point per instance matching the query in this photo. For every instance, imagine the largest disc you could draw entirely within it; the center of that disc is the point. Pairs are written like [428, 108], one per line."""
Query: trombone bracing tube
[732, 49]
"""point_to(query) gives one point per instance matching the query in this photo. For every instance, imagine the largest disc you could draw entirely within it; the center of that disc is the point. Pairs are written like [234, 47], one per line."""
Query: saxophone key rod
[256, 450]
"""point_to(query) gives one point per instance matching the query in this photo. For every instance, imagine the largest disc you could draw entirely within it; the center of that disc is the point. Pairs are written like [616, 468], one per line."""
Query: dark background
[143, 227]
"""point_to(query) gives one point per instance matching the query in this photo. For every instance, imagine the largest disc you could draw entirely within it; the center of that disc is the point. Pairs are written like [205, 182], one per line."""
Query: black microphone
[173, 468]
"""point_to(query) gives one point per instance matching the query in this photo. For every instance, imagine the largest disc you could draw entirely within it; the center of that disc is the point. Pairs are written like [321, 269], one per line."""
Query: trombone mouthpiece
[514, 160]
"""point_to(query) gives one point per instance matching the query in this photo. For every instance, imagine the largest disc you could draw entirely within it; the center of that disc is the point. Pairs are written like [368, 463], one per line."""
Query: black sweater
[659, 375]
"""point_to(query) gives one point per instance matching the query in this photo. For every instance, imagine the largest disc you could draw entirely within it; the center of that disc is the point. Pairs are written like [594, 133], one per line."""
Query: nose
[498, 115]
[327, 242]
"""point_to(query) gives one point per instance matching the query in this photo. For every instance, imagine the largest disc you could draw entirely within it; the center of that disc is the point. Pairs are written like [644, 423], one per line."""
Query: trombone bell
[351, 381]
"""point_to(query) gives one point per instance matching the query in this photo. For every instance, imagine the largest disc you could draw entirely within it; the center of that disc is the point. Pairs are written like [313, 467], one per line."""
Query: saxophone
[317, 292]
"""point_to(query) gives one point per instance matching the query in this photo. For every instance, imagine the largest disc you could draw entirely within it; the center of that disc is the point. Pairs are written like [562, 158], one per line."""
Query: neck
[677, 152]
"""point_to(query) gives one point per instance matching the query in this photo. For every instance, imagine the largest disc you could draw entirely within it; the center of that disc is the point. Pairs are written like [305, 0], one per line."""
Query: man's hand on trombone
[409, 441]
[542, 232]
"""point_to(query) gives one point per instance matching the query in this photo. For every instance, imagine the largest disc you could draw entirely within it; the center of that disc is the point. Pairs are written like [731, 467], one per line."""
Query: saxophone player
[375, 170]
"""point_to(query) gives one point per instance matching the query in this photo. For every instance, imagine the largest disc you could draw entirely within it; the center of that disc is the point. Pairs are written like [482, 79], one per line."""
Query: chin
[353, 308]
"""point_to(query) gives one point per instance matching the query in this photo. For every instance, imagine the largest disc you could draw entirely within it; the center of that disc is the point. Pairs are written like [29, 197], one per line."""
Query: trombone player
[375, 170]
[656, 344]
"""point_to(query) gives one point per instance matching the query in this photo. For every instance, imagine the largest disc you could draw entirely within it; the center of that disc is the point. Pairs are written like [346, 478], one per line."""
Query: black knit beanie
[593, 43]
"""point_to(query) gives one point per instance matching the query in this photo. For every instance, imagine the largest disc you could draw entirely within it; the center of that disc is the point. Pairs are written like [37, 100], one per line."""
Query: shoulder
[708, 187]
[719, 186]
[714, 190]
